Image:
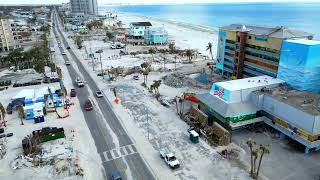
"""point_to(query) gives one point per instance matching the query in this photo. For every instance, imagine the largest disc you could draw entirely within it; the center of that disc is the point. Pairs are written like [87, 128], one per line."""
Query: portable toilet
[194, 136]
[28, 111]
[39, 99]
[28, 101]
[38, 112]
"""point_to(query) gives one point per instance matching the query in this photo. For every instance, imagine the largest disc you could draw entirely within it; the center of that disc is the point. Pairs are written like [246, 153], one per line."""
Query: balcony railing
[262, 52]
[261, 60]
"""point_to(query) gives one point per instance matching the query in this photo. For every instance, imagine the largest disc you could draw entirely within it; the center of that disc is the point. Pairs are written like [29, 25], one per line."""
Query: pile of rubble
[175, 80]
[56, 156]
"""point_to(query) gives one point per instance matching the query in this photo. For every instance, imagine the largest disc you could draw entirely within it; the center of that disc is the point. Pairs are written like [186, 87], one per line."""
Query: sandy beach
[186, 36]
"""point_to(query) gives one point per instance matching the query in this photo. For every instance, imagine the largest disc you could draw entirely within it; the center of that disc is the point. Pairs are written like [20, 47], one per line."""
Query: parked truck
[169, 158]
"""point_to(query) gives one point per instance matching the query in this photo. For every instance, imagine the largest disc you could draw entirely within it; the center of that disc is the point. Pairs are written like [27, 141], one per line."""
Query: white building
[137, 29]
[8, 35]
[230, 101]
[86, 7]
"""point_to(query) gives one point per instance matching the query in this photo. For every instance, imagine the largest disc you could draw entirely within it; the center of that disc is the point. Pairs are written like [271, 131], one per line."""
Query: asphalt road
[112, 159]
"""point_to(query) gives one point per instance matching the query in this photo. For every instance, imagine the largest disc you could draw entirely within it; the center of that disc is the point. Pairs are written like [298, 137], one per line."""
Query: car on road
[115, 175]
[68, 47]
[68, 63]
[60, 46]
[88, 105]
[73, 93]
[99, 94]
[63, 53]
[79, 82]
[136, 77]
[99, 51]
[169, 158]
[117, 46]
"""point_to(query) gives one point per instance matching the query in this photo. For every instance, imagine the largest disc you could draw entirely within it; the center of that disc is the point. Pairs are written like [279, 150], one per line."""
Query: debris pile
[57, 156]
[175, 80]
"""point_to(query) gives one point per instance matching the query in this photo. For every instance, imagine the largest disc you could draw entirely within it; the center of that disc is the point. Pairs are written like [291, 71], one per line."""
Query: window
[249, 37]
[261, 38]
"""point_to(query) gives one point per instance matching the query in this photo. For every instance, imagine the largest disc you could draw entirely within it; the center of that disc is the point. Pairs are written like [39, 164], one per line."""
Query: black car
[68, 47]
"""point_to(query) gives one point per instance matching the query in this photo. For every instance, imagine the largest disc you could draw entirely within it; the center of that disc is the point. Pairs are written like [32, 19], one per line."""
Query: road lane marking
[117, 153]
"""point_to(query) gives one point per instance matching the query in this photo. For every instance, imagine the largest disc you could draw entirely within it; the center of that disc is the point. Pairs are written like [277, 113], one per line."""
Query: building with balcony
[137, 29]
[248, 50]
[84, 7]
[156, 36]
[8, 35]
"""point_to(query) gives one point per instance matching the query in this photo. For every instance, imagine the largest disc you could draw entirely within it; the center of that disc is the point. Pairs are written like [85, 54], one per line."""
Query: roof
[141, 24]
[276, 32]
[158, 30]
[304, 41]
[247, 83]
[305, 101]
[227, 109]
[33, 93]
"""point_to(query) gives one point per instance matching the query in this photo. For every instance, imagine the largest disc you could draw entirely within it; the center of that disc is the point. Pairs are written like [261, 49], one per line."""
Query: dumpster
[194, 136]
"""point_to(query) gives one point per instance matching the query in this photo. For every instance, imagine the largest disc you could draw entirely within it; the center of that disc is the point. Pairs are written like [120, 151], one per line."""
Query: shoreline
[185, 35]
[178, 23]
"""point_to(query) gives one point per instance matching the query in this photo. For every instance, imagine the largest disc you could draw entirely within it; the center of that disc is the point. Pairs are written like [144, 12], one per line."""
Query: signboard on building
[220, 51]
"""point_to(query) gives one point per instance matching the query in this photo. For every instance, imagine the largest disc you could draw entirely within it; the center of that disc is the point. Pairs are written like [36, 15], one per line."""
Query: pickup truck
[169, 159]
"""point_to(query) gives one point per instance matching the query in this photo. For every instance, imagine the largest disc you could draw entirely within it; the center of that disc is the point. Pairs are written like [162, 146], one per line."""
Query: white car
[169, 158]
[68, 63]
[99, 94]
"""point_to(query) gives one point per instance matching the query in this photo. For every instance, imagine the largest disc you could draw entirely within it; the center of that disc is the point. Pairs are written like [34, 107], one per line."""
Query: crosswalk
[119, 152]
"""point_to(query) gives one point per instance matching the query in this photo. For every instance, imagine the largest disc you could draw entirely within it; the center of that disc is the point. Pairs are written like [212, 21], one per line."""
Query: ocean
[302, 16]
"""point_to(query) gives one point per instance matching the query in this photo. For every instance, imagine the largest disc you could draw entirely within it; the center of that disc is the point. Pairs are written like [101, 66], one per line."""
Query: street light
[99, 52]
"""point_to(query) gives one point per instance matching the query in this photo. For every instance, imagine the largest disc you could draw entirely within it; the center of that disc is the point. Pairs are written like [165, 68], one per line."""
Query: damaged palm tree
[2, 114]
[146, 69]
[21, 113]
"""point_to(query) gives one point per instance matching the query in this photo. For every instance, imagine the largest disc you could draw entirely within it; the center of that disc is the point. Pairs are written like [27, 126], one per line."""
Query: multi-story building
[248, 50]
[137, 29]
[86, 7]
[156, 36]
[8, 35]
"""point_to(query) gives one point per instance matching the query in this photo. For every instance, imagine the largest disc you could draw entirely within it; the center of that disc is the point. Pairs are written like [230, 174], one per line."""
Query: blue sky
[101, 2]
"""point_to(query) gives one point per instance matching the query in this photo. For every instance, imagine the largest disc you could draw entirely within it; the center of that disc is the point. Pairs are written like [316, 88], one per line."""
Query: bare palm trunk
[251, 172]
[257, 174]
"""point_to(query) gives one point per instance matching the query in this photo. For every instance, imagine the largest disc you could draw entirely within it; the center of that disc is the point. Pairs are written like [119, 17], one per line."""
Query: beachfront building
[300, 64]
[229, 102]
[137, 29]
[8, 35]
[85, 7]
[155, 36]
[249, 50]
[264, 99]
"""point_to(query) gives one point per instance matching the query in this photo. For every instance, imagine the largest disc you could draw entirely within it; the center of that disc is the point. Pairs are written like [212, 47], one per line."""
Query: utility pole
[147, 112]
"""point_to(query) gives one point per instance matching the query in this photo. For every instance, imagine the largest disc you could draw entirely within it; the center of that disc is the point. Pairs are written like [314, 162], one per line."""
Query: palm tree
[78, 41]
[152, 51]
[264, 150]
[145, 76]
[109, 35]
[172, 47]
[2, 114]
[251, 144]
[209, 47]
[255, 155]
[21, 113]
[15, 57]
[189, 54]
